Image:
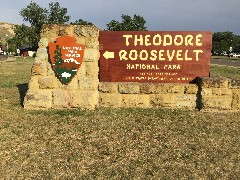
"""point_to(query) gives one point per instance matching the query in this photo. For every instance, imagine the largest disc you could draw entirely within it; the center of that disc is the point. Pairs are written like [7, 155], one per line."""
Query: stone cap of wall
[56, 30]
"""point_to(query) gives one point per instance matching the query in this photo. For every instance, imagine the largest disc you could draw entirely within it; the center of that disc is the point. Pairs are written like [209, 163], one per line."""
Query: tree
[222, 41]
[24, 35]
[57, 15]
[37, 16]
[81, 22]
[11, 46]
[137, 23]
[237, 43]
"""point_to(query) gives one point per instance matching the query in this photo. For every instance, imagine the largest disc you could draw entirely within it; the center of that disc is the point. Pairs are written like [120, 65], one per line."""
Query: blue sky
[160, 15]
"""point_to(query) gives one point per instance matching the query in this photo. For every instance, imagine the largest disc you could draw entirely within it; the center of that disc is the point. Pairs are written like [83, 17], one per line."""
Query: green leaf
[137, 23]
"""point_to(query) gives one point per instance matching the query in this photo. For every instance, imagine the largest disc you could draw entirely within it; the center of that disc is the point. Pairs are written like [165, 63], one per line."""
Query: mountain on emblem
[66, 57]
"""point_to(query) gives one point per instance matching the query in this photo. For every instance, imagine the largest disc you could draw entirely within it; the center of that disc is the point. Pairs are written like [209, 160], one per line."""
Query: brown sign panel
[154, 56]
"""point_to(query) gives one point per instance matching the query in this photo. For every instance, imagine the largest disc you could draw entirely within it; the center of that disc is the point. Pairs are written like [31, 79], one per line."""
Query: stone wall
[46, 91]
[147, 95]
[207, 94]
[86, 92]
[220, 94]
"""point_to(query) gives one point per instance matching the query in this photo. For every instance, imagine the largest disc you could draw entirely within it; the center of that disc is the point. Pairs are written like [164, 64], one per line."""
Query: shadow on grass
[22, 88]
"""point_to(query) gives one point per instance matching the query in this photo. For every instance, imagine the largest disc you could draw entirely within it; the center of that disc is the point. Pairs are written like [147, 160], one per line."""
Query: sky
[160, 15]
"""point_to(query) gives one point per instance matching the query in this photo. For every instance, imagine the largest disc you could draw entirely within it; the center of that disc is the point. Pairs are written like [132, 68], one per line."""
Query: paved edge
[225, 66]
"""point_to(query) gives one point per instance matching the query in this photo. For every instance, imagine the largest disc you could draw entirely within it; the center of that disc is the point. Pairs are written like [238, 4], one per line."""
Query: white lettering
[127, 39]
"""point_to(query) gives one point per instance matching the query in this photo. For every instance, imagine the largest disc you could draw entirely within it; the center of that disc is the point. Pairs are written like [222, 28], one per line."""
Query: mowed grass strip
[112, 143]
[225, 71]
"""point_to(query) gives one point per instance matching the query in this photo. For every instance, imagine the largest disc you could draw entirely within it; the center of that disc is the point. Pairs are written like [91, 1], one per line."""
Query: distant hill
[6, 31]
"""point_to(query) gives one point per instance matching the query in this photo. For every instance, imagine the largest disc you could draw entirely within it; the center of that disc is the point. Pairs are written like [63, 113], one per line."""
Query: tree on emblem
[58, 56]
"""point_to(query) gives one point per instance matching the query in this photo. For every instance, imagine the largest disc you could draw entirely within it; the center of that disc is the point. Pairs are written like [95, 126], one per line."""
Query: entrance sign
[66, 57]
[154, 56]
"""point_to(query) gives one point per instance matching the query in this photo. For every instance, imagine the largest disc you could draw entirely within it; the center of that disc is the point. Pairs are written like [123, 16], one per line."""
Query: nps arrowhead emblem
[66, 57]
[108, 55]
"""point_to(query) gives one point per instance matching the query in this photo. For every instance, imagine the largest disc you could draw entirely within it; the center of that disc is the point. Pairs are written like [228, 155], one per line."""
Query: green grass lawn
[112, 143]
[224, 71]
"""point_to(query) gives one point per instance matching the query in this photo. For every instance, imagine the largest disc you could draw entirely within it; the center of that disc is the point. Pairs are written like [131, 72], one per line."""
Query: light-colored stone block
[215, 83]
[92, 43]
[236, 91]
[39, 68]
[48, 82]
[235, 83]
[186, 97]
[65, 30]
[146, 88]
[72, 85]
[206, 92]
[86, 31]
[163, 100]
[88, 83]
[108, 87]
[129, 88]
[83, 99]
[33, 83]
[38, 99]
[81, 40]
[43, 43]
[186, 104]
[92, 68]
[136, 100]
[217, 102]
[221, 91]
[42, 51]
[50, 71]
[60, 99]
[236, 99]
[91, 55]
[49, 31]
[172, 88]
[186, 101]
[191, 89]
[42, 54]
[82, 71]
[110, 100]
